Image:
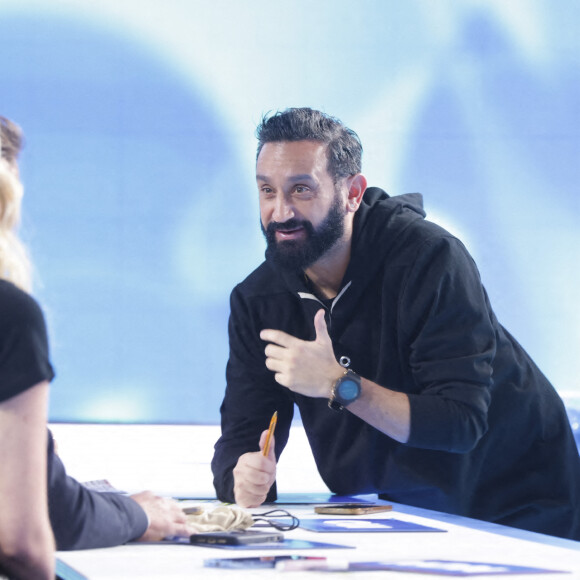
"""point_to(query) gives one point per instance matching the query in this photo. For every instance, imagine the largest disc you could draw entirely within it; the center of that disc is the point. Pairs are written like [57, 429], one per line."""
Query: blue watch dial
[348, 390]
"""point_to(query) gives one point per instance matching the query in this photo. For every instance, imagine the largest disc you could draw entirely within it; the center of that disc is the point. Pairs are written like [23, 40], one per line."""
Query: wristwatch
[346, 390]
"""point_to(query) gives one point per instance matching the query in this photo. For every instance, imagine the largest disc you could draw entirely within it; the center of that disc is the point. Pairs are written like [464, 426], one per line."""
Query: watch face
[348, 389]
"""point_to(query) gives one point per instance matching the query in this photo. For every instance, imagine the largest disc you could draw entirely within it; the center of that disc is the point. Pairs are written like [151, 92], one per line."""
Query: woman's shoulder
[24, 353]
[17, 306]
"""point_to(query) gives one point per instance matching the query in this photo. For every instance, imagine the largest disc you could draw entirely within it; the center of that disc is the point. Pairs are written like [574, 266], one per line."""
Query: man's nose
[283, 211]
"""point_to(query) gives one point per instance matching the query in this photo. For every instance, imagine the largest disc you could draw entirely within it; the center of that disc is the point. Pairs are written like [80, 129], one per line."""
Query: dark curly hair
[304, 124]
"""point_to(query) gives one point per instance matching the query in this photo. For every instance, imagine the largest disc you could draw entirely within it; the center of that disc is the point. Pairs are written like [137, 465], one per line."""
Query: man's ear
[357, 185]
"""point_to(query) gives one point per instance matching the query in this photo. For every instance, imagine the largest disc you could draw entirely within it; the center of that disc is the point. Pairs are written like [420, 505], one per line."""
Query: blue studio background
[141, 209]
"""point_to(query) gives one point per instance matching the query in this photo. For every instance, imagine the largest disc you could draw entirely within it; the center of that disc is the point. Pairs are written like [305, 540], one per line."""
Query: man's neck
[327, 273]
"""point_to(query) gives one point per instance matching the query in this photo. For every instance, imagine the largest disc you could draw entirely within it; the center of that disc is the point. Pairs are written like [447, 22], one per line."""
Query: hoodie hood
[379, 221]
[378, 209]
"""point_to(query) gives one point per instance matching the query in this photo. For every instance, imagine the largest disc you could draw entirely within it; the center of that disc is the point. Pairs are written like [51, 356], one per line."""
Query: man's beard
[300, 254]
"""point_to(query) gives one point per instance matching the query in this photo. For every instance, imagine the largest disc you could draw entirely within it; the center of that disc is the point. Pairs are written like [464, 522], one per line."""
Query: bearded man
[375, 323]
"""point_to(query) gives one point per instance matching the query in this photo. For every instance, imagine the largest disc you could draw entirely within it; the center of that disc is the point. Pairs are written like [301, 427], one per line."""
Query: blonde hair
[15, 264]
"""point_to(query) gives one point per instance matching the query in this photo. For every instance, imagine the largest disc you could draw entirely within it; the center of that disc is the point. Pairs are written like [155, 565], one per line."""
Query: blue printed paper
[366, 525]
[449, 568]
[283, 545]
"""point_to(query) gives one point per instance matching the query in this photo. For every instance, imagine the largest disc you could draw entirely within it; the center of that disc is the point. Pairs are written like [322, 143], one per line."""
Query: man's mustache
[290, 224]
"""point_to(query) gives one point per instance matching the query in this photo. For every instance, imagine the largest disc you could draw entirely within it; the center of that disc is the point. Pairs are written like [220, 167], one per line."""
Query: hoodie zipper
[310, 296]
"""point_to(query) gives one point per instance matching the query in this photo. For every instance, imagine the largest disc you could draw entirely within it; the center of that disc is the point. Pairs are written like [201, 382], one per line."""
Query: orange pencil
[271, 428]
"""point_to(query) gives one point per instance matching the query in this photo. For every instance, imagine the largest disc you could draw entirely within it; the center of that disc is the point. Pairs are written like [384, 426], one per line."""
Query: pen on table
[271, 428]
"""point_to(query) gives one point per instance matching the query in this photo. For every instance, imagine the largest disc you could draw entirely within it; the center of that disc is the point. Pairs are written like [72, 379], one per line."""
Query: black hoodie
[489, 435]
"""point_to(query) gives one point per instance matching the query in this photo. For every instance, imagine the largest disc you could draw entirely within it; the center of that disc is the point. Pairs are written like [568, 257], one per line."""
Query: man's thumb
[263, 440]
[320, 325]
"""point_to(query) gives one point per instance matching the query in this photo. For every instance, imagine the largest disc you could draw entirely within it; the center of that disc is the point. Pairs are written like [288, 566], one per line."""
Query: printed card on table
[366, 525]
[450, 568]
[285, 544]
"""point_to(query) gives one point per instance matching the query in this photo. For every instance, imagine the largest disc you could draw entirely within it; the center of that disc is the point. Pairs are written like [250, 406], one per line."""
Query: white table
[463, 540]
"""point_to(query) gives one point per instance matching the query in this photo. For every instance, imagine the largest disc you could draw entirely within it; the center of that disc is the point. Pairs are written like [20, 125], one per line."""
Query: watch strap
[334, 401]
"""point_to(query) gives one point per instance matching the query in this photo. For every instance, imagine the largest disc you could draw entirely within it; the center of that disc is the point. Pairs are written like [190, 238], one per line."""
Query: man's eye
[301, 189]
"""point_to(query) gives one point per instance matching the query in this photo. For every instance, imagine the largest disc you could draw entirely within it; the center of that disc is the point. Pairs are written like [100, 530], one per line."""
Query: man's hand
[254, 475]
[166, 518]
[309, 368]
[305, 367]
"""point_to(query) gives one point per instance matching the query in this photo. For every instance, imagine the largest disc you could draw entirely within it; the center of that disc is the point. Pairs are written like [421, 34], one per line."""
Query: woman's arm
[26, 541]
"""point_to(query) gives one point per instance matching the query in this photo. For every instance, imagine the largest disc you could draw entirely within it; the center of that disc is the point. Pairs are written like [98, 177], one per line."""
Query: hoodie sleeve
[451, 342]
[252, 395]
[82, 518]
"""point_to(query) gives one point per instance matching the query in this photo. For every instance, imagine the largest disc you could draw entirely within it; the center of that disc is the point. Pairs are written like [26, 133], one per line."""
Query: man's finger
[275, 351]
[274, 365]
[276, 336]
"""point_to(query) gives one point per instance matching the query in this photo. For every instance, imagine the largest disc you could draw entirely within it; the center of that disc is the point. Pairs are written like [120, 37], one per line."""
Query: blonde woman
[26, 540]
[40, 512]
